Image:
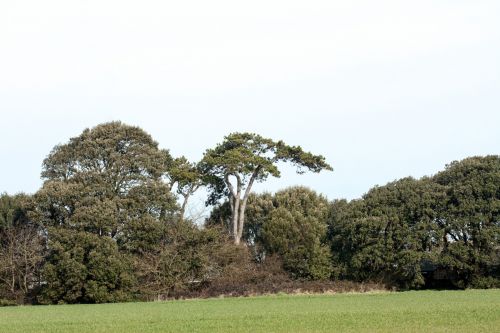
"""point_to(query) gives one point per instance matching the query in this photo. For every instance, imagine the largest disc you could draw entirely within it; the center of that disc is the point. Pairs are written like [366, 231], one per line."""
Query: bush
[85, 268]
[485, 282]
[7, 302]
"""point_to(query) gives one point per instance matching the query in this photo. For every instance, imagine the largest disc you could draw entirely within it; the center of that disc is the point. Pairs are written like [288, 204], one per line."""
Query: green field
[422, 311]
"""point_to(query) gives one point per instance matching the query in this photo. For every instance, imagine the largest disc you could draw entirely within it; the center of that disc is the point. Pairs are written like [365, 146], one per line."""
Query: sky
[383, 89]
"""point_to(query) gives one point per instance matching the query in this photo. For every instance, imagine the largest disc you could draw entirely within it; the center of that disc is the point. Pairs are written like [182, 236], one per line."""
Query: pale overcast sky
[384, 89]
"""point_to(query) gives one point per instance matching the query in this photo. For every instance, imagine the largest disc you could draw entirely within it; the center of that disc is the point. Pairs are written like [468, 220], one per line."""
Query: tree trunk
[241, 220]
[236, 211]
[183, 207]
[235, 200]
[239, 205]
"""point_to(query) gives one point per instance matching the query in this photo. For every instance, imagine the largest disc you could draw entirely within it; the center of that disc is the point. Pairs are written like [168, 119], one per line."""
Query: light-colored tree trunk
[235, 214]
[183, 207]
[239, 205]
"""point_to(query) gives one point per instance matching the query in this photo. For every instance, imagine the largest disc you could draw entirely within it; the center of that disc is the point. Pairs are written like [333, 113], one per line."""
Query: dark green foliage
[296, 230]
[103, 191]
[107, 181]
[232, 167]
[450, 220]
[85, 268]
[470, 219]
[291, 224]
[12, 210]
[243, 153]
[105, 226]
[258, 212]
[388, 233]
[113, 155]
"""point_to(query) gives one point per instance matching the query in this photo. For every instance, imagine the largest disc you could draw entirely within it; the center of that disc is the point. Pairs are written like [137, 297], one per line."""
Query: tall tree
[242, 159]
[470, 220]
[102, 201]
[107, 181]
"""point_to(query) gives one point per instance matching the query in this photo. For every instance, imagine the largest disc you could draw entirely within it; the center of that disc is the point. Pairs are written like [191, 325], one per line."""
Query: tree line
[109, 224]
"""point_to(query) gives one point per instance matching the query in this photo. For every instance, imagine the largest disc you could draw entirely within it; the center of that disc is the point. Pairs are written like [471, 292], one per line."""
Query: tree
[187, 179]
[386, 235]
[469, 220]
[296, 230]
[232, 167]
[83, 267]
[290, 225]
[21, 250]
[102, 201]
[258, 210]
[12, 210]
[107, 181]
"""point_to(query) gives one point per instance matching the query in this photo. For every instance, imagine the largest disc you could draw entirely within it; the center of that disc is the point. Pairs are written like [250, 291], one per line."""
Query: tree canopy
[109, 224]
[470, 218]
[448, 222]
[232, 167]
[103, 199]
[296, 230]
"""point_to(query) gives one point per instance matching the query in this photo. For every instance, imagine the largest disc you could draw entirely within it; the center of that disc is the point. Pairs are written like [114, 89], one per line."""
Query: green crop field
[419, 311]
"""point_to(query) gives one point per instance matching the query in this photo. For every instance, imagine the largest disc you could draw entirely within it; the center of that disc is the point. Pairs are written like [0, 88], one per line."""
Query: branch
[250, 183]
[238, 185]
[229, 185]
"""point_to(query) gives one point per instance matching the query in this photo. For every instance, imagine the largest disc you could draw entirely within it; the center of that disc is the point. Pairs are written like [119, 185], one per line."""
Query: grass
[416, 311]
